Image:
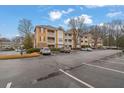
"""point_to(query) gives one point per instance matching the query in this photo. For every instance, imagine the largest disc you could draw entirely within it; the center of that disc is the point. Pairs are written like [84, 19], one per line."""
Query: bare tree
[118, 28]
[25, 27]
[103, 31]
[96, 33]
[76, 25]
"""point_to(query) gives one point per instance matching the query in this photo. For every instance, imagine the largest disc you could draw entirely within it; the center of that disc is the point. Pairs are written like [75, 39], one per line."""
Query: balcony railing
[51, 34]
[51, 41]
[68, 37]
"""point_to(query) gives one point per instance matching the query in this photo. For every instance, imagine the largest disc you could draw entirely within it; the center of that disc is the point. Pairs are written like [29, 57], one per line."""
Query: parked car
[45, 50]
[86, 49]
[83, 49]
[62, 50]
[89, 49]
[65, 50]
[17, 50]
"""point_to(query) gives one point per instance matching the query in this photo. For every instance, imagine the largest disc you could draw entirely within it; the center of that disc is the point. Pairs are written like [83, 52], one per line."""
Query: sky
[54, 15]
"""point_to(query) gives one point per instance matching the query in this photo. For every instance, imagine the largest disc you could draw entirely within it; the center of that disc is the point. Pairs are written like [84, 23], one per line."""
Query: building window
[69, 34]
[85, 36]
[69, 40]
[60, 39]
[65, 40]
[85, 41]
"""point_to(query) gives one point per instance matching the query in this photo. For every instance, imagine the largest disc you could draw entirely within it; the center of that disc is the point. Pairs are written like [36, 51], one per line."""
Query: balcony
[68, 43]
[51, 41]
[51, 34]
[68, 37]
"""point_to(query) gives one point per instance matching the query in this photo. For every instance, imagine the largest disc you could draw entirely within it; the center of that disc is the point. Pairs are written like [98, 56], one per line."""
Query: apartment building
[87, 40]
[48, 36]
[68, 39]
[6, 45]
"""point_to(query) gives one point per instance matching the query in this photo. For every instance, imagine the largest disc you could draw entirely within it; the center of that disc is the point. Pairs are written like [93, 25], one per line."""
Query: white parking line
[104, 68]
[112, 62]
[73, 77]
[9, 85]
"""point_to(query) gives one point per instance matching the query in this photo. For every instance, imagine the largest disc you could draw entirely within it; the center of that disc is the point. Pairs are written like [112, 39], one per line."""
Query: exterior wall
[4, 45]
[59, 39]
[39, 38]
[51, 38]
[99, 43]
[44, 38]
[87, 40]
[79, 42]
[68, 40]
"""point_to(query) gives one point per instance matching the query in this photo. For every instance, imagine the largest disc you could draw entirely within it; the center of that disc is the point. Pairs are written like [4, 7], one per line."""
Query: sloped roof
[68, 31]
[50, 27]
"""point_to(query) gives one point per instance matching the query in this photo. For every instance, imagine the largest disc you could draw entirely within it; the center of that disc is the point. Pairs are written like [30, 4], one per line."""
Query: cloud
[56, 14]
[17, 35]
[67, 21]
[87, 18]
[94, 6]
[101, 24]
[81, 8]
[68, 11]
[114, 14]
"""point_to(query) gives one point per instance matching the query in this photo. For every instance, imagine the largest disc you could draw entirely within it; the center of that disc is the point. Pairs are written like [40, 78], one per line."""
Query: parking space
[99, 77]
[98, 74]
[61, 81]
[102, 73]
[89, 75]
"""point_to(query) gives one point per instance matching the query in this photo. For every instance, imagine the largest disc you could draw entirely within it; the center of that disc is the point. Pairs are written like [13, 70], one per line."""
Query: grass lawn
[17, 56]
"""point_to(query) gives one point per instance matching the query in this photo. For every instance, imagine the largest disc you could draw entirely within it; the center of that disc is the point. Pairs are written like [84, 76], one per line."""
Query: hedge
[32, 50]
[85, 46]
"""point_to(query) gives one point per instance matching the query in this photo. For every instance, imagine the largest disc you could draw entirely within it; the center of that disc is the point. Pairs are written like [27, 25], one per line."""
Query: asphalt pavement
[8, 52]
[96, 69]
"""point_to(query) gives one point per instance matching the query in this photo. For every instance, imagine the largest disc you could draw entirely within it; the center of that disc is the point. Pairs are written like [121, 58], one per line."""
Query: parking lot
[102, 73]
[8, 52]
[97, 69]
